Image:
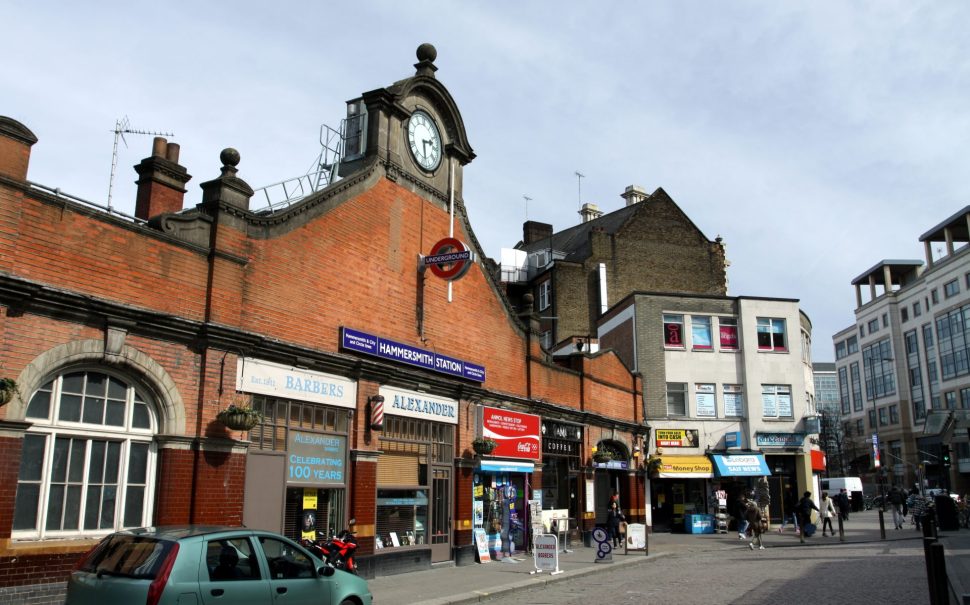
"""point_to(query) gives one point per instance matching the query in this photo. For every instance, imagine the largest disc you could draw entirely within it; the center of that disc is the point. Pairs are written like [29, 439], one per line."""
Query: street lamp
[880, 470]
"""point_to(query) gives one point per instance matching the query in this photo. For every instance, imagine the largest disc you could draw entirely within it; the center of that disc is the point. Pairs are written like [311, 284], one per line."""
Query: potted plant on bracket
[483, 446]
[239, 416]
[8, 388]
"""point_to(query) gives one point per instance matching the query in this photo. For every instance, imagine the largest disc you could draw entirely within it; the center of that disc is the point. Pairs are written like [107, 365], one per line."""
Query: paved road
[875, 572]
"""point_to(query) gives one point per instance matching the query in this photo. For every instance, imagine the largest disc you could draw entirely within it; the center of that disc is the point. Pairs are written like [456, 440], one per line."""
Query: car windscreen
[128, 556]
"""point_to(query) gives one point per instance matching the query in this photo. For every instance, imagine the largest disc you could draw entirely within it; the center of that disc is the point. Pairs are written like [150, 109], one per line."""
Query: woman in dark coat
[613, 517]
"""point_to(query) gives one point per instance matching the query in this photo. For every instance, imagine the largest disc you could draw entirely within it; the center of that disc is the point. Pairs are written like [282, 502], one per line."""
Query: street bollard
[841, 530]
[928, 560]
[882, 523]
[938, 579]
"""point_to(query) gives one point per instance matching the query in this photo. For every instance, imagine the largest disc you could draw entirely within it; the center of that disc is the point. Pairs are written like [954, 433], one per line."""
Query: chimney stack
[15, 143]
[161, 181]
[590, 212]
[533, 232]
[634, 194]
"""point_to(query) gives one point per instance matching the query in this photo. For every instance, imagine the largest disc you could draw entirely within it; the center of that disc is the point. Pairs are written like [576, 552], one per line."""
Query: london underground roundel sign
[449, 259]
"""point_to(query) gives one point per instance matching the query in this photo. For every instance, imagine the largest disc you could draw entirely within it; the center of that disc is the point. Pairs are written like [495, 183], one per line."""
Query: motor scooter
[337, 552]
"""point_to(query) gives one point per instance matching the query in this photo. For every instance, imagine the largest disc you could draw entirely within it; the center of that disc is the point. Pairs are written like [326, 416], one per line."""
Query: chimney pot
[172, 152]
[158, 147]
[161, 181]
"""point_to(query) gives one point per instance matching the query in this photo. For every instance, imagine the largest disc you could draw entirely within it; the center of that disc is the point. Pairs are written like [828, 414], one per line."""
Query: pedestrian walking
[614, 515]
[827, 511]
[917, 506]
[756, 521]
[896, 500]
[805, 508]
[740, 514]
[790, 511]
[843, 504]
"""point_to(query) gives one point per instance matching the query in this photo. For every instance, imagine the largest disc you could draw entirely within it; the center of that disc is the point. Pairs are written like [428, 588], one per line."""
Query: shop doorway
[441, 514]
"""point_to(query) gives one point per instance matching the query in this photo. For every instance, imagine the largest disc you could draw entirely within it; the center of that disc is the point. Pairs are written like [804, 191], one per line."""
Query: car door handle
[281, 589]
[218, 592]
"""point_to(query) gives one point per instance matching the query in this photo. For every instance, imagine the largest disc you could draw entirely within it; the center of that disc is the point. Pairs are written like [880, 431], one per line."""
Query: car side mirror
[326, 571]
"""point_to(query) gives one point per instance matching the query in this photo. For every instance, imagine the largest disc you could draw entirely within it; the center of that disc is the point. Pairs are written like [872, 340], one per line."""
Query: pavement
[447, 584]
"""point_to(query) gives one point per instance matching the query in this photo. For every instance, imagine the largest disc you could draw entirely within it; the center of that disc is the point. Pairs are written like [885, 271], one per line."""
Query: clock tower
[413, 129]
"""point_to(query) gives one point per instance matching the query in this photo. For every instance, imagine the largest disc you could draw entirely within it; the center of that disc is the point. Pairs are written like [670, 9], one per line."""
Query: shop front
[561, 475]
[296, 469]
[678, 488]
[415, 470]
[502, 481]
[790, 467]
[740, 474]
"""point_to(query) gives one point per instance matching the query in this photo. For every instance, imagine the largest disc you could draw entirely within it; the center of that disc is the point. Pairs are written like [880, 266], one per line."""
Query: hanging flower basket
[601, 456]
[653, 466]
[239, 418]
[8, 388]
[483, 446]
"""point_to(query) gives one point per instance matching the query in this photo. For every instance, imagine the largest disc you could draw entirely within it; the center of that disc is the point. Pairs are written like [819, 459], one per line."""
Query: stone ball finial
[427, 52]
[229, 157]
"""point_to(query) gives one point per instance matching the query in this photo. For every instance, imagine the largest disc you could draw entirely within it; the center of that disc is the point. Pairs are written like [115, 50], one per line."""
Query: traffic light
[945, 455]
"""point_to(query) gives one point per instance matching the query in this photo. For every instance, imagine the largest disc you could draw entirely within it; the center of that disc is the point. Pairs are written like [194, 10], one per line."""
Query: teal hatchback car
[206, 565]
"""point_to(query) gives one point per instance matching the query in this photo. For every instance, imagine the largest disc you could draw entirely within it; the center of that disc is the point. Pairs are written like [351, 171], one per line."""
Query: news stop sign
[450, 259]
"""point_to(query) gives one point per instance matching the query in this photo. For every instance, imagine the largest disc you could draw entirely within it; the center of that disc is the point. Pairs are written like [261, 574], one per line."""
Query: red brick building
[127, 336]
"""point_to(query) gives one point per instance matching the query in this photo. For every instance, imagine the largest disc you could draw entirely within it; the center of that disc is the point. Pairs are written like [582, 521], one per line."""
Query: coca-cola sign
[517, 434]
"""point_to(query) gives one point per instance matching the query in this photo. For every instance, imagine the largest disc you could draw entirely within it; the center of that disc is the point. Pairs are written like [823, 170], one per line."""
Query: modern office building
[904, 366]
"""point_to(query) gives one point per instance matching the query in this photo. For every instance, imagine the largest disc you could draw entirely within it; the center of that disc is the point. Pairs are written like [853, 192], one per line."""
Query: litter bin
[946, 513]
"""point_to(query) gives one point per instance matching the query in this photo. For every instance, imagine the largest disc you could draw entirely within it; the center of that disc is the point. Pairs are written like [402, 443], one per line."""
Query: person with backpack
[805, 507]
[843, 504]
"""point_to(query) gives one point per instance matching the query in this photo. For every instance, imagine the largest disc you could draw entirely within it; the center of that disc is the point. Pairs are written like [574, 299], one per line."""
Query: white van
[852, 485]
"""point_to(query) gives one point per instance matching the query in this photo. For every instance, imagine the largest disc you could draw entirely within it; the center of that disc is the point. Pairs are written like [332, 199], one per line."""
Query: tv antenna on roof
[123, 127]
[579, 183]
[527, 200]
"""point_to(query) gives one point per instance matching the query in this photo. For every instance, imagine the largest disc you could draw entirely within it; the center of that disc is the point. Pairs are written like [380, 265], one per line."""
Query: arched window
[88, 461]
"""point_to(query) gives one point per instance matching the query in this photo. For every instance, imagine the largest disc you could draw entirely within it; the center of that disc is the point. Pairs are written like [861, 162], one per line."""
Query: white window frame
[734, 393]
[705, 398]
[674, 319]
[682, 391]
[728, 322]
[699, 324]
[771, 323]
[545, 294]
[775, 398]
[52, 427]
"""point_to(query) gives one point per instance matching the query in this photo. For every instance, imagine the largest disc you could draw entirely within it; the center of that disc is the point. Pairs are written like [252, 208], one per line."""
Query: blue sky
[816, 138]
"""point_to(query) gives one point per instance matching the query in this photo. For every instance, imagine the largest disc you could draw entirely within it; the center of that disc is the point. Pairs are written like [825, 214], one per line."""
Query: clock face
[424, 140]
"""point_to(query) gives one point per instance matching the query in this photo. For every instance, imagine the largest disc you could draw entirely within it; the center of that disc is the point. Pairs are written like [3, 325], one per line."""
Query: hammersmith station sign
[369, 344]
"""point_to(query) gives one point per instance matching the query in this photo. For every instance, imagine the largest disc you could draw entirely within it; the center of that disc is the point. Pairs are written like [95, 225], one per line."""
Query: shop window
[408, 448]
[700, 332]
[402, 516]
[676, 398]
[705, 401]
[329, 512]
[728, 333]
[87, 465]
[674, 331]
[733, 401]
[776, 401]
[281, 415]
[771, 334]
